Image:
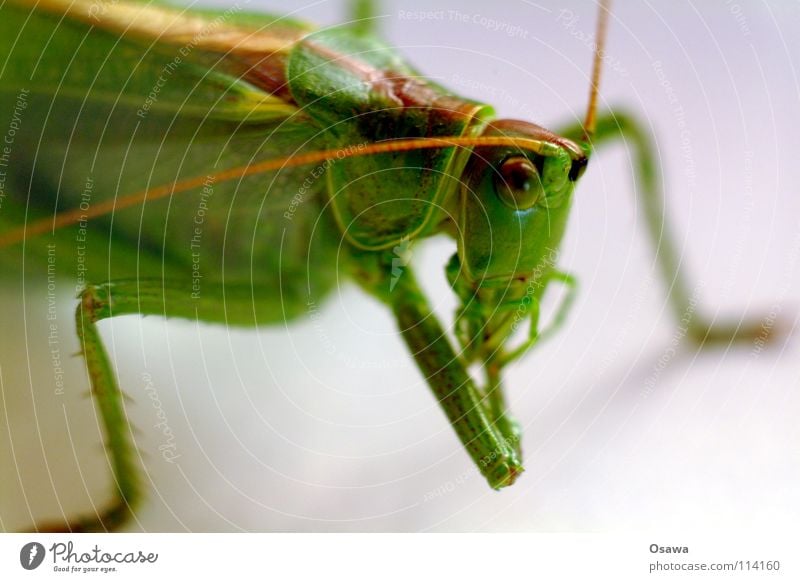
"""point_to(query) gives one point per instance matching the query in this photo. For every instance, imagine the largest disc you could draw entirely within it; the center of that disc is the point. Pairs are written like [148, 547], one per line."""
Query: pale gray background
[327, 426]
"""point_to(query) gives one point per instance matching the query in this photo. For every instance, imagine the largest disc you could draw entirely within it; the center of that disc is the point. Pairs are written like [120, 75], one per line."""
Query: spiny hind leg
[145, 297]
[497, 407]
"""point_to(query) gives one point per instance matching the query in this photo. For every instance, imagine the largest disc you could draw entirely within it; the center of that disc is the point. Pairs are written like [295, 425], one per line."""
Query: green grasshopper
[227, 166]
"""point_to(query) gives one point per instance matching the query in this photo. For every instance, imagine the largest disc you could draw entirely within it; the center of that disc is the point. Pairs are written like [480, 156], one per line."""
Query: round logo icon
[31, 555]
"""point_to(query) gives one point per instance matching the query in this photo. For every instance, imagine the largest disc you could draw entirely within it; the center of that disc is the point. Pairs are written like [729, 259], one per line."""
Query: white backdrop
[326, 425]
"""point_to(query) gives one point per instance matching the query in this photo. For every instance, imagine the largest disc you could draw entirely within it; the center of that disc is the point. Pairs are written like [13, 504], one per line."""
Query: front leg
[492, 449]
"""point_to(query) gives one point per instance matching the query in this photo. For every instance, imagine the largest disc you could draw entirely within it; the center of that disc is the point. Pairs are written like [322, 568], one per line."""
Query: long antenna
[76, 215]
[602, 28]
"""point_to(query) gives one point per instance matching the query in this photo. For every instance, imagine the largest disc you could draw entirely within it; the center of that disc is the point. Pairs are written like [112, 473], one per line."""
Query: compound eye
[517, 183]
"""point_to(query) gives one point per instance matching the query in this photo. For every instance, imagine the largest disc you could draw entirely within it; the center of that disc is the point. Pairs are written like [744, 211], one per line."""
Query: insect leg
[95, 305]
[145, 297]
[497, 408]
[362, 16]
[571, 283]
[613, 126]
[535, 336]
[452, 385]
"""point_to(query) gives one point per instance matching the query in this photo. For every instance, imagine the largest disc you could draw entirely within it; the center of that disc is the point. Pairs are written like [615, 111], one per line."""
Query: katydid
[188, 153]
